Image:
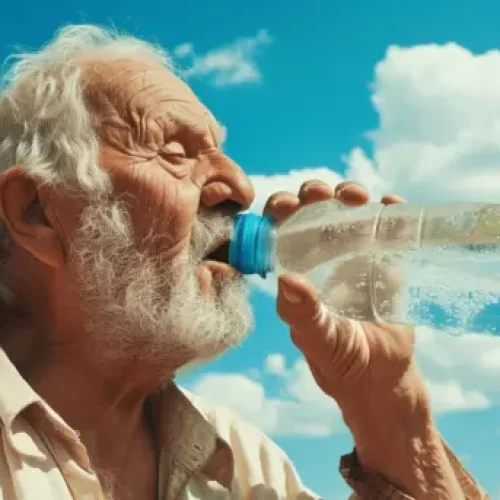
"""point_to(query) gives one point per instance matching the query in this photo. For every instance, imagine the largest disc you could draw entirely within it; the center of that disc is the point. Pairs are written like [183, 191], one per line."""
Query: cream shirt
[207, 452]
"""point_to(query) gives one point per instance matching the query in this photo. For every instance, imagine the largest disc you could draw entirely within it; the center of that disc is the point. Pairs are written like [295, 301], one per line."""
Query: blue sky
[403, 96]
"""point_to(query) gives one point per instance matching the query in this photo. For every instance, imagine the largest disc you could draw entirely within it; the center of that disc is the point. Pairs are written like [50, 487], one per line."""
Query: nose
[226, 182]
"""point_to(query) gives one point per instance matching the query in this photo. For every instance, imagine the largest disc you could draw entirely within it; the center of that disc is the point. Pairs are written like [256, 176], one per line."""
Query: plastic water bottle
[435, 265]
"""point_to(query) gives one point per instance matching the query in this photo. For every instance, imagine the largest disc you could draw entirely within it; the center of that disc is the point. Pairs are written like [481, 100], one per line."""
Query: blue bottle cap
[251, 242]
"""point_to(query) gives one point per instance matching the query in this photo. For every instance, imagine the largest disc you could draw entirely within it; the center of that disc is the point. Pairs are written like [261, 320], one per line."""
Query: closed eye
[173, 148]
[169, 156]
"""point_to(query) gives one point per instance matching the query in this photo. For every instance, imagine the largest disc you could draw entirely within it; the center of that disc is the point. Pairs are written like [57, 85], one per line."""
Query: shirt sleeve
[373, 486]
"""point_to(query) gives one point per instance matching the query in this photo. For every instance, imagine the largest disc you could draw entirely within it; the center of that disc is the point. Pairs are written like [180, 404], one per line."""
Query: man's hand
[368, 368]
[349, 359]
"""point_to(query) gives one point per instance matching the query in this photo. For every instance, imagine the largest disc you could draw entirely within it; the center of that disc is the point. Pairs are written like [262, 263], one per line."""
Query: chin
[204, 358]
[206, 320]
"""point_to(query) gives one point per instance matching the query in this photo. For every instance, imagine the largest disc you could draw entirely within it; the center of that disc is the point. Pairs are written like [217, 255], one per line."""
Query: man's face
[141, 260]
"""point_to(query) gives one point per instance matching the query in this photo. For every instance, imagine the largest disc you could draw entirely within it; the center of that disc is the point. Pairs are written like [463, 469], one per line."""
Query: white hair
[45, 125]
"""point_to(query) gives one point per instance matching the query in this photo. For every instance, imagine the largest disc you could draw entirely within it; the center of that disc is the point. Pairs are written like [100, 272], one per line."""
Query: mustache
[212, 228]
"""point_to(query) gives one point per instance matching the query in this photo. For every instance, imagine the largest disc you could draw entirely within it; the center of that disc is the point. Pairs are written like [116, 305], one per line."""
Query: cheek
[162, 209]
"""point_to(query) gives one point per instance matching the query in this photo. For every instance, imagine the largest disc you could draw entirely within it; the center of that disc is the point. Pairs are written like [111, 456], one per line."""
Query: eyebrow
[218, 132]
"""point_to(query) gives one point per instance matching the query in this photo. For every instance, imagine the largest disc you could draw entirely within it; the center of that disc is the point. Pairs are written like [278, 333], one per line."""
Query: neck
[105, 402]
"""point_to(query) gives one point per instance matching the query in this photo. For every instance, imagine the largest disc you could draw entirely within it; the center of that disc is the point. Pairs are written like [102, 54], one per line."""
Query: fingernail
[292, 297]
[392, 198]
[276, 203]
[314, 184]
[343, 188]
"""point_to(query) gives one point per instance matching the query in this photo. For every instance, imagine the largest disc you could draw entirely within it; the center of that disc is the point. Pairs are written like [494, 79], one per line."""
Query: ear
[22, 214]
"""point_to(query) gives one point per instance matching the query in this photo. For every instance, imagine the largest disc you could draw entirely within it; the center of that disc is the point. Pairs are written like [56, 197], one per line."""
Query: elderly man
[115, 199]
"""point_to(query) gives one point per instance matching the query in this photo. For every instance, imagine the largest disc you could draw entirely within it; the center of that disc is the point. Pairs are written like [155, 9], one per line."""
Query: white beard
[137, 309]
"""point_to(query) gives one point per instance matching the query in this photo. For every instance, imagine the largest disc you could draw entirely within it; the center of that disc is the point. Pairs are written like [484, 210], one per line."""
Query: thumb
[299, 306]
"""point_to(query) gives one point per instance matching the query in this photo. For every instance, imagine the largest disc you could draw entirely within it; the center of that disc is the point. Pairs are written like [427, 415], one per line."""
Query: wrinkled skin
[346, 357]
[162, 149]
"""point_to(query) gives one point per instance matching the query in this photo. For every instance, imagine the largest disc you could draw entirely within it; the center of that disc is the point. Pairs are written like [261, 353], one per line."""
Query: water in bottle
[437, 265]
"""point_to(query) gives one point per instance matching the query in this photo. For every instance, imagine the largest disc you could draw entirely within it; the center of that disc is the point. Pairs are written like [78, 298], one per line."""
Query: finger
[392, 199]
[352, 194]
[315, 190]
[281, 205]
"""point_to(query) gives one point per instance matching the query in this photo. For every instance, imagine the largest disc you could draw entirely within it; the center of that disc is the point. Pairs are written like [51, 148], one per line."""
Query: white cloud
[241, 394]
[462, 371]
[275, 364]
[232, 64]
[439, 125]
[183, 50]
[450, 396]
[299, 408]
[439, 129]
[266, 185]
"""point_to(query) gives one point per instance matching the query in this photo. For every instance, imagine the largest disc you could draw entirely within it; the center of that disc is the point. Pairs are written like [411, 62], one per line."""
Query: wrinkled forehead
[138, 91]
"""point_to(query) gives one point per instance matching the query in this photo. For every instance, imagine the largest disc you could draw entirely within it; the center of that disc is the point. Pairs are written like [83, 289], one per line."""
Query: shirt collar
[15, 393]
[189, 443]
[16, 397]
